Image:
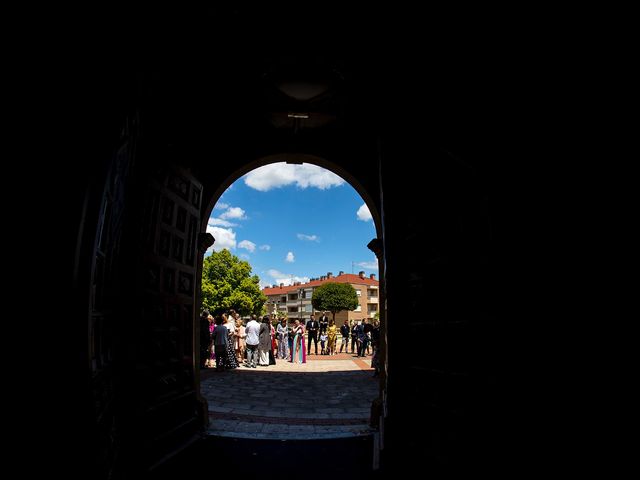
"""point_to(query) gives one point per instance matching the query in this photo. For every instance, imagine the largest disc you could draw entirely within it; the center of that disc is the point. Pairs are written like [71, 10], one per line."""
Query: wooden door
[165, 347]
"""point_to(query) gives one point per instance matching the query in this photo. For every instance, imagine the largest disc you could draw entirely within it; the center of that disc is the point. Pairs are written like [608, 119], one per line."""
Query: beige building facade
[295, 300]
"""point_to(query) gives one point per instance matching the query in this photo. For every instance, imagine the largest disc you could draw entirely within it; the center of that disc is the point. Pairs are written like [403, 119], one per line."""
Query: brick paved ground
[328, 397]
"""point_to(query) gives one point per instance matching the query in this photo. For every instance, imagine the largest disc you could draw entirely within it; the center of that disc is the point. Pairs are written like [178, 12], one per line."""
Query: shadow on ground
[266, 459]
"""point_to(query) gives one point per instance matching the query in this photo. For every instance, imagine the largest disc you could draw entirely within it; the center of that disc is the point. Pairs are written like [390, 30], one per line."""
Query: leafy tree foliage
[334, 297]
[227, 283]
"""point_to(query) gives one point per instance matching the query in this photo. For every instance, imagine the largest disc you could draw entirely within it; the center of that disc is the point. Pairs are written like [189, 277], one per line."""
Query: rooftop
[342, 278]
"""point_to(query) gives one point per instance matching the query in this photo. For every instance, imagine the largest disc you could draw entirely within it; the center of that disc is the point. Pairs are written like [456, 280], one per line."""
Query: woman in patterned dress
[230, 362]
[211, 361]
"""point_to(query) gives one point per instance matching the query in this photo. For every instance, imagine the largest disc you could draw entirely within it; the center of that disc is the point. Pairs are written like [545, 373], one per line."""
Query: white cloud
[230, 212]
[248, 245]
[363, 213]
[221, 206]
[233, 212]
[290, 257]
[276, 273]
[265, 247]
[311, 238]
[278, 175]
[284, 278]
[369, 265]
[225, 238]
[218, 222]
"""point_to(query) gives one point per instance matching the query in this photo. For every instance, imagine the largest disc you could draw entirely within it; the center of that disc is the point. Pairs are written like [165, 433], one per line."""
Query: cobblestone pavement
[328, 397]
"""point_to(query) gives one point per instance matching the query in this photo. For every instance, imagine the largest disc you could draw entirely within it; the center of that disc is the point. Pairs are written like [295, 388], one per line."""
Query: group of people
[222, 340]
[362, 333]
[227, 343]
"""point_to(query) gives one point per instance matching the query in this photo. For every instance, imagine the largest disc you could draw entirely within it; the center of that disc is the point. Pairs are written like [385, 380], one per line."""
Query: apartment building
[295, 300]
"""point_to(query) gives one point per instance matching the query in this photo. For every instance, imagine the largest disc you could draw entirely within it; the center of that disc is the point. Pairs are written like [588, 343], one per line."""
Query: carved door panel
[165, 330]
[109, 206]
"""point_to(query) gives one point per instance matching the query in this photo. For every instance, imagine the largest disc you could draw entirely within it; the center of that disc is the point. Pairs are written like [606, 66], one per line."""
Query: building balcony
[293, 303]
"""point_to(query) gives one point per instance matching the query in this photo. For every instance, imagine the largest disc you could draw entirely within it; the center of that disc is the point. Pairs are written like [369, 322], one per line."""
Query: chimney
[281, 285]
[341, 273]
[361, 274]
[372, 276]
[322, 277]
[329, 274]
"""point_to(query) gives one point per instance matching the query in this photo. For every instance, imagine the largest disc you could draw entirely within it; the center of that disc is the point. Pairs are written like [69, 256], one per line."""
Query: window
[308, 308]
[358, 292]
[283, 299]
[358, 308]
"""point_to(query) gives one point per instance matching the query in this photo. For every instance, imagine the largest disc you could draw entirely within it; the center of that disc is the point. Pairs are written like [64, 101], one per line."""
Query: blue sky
[294, 222]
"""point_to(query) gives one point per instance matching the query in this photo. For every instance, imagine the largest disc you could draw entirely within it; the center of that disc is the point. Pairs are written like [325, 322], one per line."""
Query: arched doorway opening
[332, 417]
[435, 257]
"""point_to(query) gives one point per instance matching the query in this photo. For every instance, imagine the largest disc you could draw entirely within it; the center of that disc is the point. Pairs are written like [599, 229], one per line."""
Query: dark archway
[174, 112]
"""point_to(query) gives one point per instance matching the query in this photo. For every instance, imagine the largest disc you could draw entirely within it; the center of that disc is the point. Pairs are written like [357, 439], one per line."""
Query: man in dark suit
[312, 328]
[324, 323]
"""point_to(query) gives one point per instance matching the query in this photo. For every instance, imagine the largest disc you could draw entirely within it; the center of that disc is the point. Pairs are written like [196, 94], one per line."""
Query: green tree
[334, 297]
[227, 283]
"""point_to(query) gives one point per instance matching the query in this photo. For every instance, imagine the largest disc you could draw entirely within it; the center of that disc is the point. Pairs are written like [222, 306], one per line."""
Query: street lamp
[300, 292]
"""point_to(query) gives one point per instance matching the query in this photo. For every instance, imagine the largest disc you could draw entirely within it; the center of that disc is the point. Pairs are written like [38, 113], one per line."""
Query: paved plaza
[327, 397]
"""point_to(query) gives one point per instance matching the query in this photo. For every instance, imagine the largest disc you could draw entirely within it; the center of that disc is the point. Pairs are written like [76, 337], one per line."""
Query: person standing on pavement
[324, 323]
[344, 331]
[323, 343]
[230, 323]
[360, 335]
[283, 339]
[298, 352]
[354, 337]
[205, 339]
[240, 339]
[332, 337]
[212, 352]
[265, 341]
[375, 345]
[274, 347]
[290, 336]
[220, 343]
[312, 328]
[368, 328]
[253, 339]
